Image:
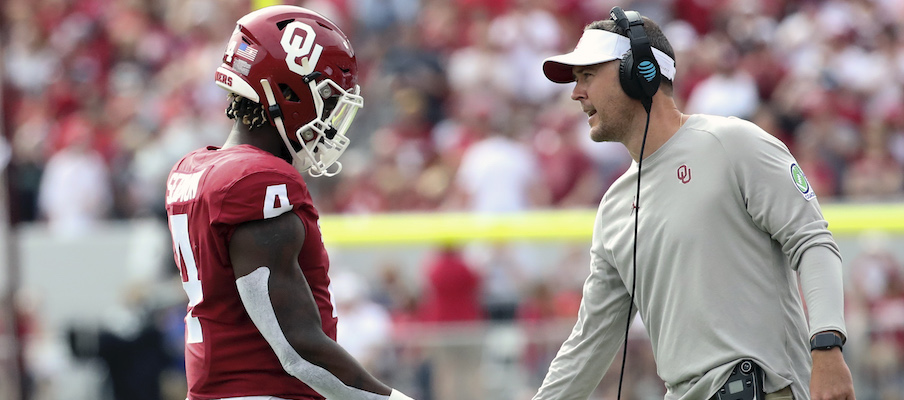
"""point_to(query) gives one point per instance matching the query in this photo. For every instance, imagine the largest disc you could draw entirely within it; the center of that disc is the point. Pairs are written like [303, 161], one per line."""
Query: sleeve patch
[800, 181]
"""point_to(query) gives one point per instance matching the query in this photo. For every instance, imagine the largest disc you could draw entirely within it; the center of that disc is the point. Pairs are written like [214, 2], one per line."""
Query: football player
[261, 323]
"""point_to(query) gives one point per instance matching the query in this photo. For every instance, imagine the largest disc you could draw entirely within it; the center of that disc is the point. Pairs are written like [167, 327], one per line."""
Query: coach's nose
[579, 92]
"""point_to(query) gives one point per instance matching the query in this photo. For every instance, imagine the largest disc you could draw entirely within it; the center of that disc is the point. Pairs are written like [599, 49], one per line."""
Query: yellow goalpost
[564, 225]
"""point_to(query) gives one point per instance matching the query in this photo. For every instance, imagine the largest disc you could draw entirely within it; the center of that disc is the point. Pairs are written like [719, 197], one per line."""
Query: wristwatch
[825, 341]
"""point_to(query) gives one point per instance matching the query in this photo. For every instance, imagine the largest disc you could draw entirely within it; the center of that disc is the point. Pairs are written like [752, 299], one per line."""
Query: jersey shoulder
[244, 183]
[242, 164]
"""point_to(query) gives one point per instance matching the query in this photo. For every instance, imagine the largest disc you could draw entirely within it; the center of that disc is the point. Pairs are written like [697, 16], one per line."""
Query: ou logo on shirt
[298, 41]
[684, 173]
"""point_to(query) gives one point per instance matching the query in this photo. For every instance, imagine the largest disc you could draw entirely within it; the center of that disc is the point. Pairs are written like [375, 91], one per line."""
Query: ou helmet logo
[298, 41]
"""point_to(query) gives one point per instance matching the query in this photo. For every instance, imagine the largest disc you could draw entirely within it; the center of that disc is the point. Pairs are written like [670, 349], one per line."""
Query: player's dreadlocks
[250, 113]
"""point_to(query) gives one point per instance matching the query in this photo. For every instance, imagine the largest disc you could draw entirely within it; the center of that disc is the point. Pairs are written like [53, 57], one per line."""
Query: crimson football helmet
[281, 48]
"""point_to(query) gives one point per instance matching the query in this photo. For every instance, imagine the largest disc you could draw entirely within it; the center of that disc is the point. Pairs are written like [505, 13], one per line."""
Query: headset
[638, 71]
[639, 76]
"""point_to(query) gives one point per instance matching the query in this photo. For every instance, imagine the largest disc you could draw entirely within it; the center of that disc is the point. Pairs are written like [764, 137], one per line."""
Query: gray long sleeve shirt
[726, 220]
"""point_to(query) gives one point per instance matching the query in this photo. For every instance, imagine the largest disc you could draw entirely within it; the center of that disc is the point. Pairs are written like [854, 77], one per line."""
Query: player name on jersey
[182, 187]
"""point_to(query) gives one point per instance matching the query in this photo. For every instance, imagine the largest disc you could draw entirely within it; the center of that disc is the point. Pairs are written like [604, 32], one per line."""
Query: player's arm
[264, 255]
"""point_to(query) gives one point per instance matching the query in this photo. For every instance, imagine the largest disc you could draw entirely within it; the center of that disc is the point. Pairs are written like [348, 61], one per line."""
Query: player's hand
[831, 378]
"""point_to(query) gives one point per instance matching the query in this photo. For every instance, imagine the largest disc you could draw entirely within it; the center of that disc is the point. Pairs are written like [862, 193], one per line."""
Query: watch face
[825, 341]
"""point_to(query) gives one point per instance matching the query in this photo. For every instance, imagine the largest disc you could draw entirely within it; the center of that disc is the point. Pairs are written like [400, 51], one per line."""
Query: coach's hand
[831, 378]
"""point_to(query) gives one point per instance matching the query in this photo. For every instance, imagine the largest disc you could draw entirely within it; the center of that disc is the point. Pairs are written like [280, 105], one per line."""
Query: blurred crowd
[100, 98]
[475, 321]
[519, 313]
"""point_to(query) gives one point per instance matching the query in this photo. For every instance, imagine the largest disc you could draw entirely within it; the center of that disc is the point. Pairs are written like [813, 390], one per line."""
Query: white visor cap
[595, 47]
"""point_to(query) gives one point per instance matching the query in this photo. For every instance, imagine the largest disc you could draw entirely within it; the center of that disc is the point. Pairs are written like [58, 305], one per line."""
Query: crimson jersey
[208, 193]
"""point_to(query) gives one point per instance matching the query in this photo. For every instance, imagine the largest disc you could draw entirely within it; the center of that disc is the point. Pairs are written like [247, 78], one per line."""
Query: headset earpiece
[639, 73]
[625, 77]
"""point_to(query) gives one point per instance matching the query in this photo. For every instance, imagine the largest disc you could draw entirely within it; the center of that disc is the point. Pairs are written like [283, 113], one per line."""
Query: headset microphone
[639, 77]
